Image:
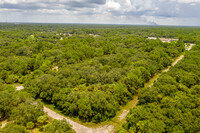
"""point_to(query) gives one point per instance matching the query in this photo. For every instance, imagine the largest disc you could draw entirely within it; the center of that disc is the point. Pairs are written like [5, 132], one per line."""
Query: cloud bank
[143, 12]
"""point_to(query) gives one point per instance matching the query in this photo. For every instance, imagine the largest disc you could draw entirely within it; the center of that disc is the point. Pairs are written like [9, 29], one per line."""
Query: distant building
[164, 39]
[174, 40]
[168, 40]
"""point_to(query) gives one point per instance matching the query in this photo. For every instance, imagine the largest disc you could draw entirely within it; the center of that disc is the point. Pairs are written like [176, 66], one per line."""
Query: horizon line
[101, 24]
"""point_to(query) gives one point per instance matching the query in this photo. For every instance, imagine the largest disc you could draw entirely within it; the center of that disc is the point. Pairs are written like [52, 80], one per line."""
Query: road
[78, 127]
[107, 128]
[125, 111]
[3, 123]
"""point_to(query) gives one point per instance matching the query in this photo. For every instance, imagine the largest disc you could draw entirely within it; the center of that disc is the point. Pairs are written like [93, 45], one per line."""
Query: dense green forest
[173, 103]
[24, 113]
[90, 71]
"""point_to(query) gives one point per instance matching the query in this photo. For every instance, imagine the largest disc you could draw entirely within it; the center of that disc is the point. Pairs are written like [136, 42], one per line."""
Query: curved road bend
[78, 127]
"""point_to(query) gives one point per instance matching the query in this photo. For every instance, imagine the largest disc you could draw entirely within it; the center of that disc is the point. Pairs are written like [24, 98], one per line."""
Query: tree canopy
[90, 71]
[172, 104]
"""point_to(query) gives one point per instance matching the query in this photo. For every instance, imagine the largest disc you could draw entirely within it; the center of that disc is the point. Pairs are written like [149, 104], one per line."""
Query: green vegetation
[97, 74]
[13, 128]
[23, 112]
[91, 71]
[172, 104]
[58, 127]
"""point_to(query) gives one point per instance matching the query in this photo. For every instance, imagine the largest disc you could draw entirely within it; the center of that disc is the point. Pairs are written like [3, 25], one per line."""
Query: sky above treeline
[139, 12]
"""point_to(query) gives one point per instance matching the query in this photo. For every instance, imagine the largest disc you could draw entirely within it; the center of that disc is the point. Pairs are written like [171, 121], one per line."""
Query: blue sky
[143, 12]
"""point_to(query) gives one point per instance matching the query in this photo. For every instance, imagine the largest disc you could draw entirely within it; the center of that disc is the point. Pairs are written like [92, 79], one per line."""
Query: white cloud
[188, 1]
[53, 11]
[128, 3]
[10, 1]
[112, 5]
[180, 12]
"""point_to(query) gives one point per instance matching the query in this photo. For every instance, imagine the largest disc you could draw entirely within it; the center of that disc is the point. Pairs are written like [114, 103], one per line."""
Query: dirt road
[177, 60]
[125, 111]
[123, 115]
[4, 123]
[78, 127]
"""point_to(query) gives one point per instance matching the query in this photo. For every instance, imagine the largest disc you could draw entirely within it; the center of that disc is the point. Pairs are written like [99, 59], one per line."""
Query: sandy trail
[78, 127]
[123, 115]
[4, 123]
[125, 112]
[177, 60]
[190, 47]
